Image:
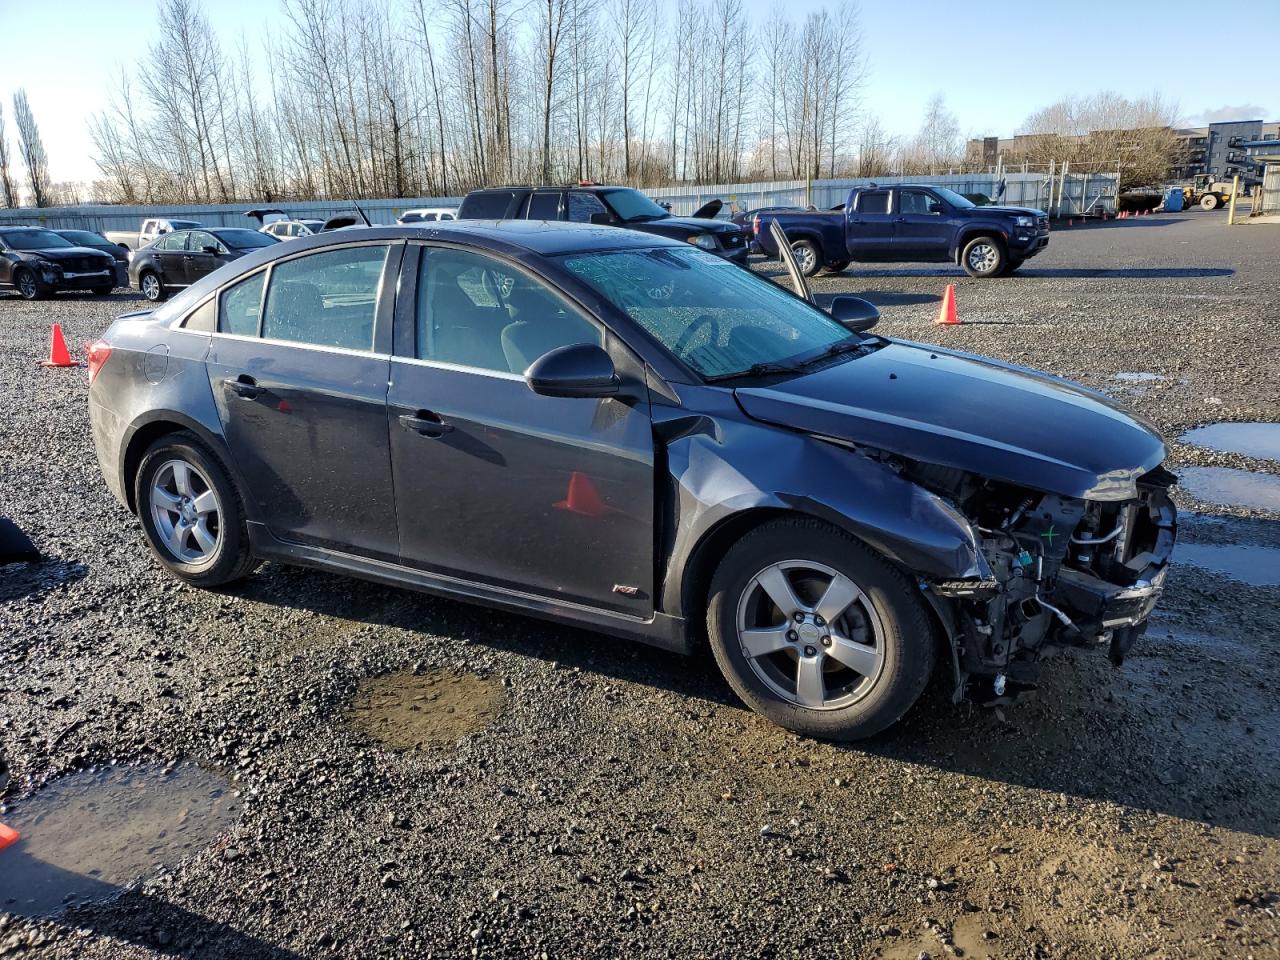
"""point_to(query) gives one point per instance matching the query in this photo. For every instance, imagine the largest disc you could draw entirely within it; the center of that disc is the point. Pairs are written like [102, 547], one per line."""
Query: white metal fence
[1060, 194]
[1267, 198]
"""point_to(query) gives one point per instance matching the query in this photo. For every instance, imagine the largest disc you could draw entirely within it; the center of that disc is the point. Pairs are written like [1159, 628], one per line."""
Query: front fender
[723, 467]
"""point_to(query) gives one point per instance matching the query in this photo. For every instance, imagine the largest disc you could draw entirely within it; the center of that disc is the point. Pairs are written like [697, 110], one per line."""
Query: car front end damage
[1054, 572]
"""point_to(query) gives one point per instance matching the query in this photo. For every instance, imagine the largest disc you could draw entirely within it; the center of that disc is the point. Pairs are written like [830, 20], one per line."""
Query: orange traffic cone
[947, 311]
[8, 836]
[583, 497]
[59, 356]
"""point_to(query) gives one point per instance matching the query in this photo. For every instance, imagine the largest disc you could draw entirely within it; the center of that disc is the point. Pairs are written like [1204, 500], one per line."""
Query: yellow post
[1235, 190]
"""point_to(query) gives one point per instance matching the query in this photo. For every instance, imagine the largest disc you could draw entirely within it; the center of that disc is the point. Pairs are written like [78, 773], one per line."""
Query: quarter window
[475, 311]
[328, 299]
[239, 306]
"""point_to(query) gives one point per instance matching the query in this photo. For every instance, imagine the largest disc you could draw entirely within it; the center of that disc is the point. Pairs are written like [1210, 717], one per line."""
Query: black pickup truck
[910, 223]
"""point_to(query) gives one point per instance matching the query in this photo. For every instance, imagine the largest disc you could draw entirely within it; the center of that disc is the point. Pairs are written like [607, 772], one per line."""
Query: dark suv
[607, 206]
[37, 262]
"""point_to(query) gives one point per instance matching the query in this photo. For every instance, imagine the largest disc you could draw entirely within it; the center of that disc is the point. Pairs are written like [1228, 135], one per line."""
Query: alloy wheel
[810, 634]
[983, 257]
[151, 287]
[27, 285]
[805, 257]
[186, 512]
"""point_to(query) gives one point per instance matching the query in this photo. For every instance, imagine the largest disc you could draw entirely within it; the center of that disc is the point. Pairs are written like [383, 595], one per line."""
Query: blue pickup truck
[910, 223]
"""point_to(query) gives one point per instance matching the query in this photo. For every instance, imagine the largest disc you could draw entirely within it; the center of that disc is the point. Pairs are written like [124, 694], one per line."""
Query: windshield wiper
[755, 370]
[835, 350]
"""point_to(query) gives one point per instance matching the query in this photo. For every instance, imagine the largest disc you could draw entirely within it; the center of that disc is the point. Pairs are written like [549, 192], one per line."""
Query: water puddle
[409, 711]
[1129, 376]
[1254, 565]
[1237, 488]
[87, 835]
[1261, 440]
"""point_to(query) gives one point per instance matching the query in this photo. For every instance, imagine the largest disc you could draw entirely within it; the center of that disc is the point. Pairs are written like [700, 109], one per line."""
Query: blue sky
[996, 62]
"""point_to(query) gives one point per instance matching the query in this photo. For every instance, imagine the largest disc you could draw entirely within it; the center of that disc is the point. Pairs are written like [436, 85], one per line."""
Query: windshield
[34, 240]
[245, 239]
[953, 198]
[632, 205]
[718, 318]
[83, 238]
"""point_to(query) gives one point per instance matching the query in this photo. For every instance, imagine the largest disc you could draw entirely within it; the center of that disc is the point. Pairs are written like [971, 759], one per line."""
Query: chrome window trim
[373, 354]
[460, 368]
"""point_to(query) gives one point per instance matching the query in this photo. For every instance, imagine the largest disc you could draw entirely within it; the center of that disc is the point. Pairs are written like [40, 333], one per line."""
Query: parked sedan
[96, 241]
[620, 431]
[181, 258]
[37, 262]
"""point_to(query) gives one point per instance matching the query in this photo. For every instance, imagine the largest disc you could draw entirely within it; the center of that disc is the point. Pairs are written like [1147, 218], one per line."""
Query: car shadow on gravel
[145, 921]
[881, 298]
[331, 595]
[18, 580]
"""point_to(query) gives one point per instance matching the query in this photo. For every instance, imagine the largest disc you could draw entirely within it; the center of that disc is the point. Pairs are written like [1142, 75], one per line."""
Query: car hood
[675, 225]
[996, 420]
[1011, 211]
[62, 254]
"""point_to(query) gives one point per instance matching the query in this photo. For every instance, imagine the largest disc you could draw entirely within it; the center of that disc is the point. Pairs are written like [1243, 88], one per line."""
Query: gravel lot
[413, 777]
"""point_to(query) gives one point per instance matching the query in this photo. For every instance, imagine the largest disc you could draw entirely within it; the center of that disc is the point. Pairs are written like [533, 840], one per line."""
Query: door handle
[901, 220]
[425, 424]
[244, 386]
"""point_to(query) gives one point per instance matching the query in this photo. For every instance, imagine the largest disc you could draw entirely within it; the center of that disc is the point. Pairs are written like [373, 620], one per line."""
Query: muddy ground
[383, 774]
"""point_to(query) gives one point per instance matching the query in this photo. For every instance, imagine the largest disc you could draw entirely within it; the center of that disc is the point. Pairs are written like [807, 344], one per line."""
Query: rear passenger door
[298, 368]
[169, 254]
[545, 496]
[870, 227]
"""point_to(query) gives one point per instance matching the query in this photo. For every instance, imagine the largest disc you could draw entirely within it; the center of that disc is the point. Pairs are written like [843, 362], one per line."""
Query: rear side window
[492, 205]
[877, 202]
[239, 306]
[544, 206]
[328, 299]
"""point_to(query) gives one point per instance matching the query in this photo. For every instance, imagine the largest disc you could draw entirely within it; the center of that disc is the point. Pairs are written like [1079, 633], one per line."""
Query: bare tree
[32, 149]
[938, 143]
[6, 179]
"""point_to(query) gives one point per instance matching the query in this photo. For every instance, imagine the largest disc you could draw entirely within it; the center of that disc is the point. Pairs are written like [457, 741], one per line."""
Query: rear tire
[27, 284]
[1210, 201]
[191, 513]
[152, 286]
[102, 291]
[840, 266]
[807, 257]
[860, 653]
[984, 256]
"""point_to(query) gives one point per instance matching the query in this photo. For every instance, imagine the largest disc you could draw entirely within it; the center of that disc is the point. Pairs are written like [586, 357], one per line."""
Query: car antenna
[361, 212]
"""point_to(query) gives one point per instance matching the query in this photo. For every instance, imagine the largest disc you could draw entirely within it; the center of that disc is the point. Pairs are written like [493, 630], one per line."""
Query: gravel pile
[608, 800]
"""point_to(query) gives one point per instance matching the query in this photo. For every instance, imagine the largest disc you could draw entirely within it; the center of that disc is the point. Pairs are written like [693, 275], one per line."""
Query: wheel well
[706, 557]
[138, 444]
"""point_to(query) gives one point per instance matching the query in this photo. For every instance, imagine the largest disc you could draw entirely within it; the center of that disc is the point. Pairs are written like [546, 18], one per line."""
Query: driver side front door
[545, 496]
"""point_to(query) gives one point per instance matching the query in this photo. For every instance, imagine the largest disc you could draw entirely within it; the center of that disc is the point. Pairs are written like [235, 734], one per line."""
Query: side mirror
[854, 313]
[209, 249]
[602, 219]
[578, 370]
[936, 207]
[123, 246]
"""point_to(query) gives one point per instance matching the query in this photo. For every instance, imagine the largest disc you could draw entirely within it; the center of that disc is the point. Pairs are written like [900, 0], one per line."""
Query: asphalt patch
[410, 711]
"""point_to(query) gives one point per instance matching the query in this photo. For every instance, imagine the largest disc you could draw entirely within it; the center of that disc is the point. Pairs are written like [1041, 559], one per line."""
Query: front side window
[583, 205]
[719, 319]
[916, 202]
[199, 240]
[328, 299]
[475, 311]
[239, 306]
[874, 203]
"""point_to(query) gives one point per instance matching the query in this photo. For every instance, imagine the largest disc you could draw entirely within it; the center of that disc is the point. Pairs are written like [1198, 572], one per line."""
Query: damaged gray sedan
[625, 433]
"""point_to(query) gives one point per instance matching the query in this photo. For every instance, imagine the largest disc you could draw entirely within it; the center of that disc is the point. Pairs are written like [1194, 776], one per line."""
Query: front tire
[1210, 201]
[27, 284]
[816, 632]
[807, 257]
[152, 286]
[840, 266]
[984, 257]
[102, 291]
[191, 513]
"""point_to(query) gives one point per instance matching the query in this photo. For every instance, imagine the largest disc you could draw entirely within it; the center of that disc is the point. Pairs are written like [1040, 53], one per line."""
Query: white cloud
[1244, 111]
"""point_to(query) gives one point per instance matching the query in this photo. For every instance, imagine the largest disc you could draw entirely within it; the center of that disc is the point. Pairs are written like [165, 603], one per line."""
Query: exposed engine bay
[1059, 571]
